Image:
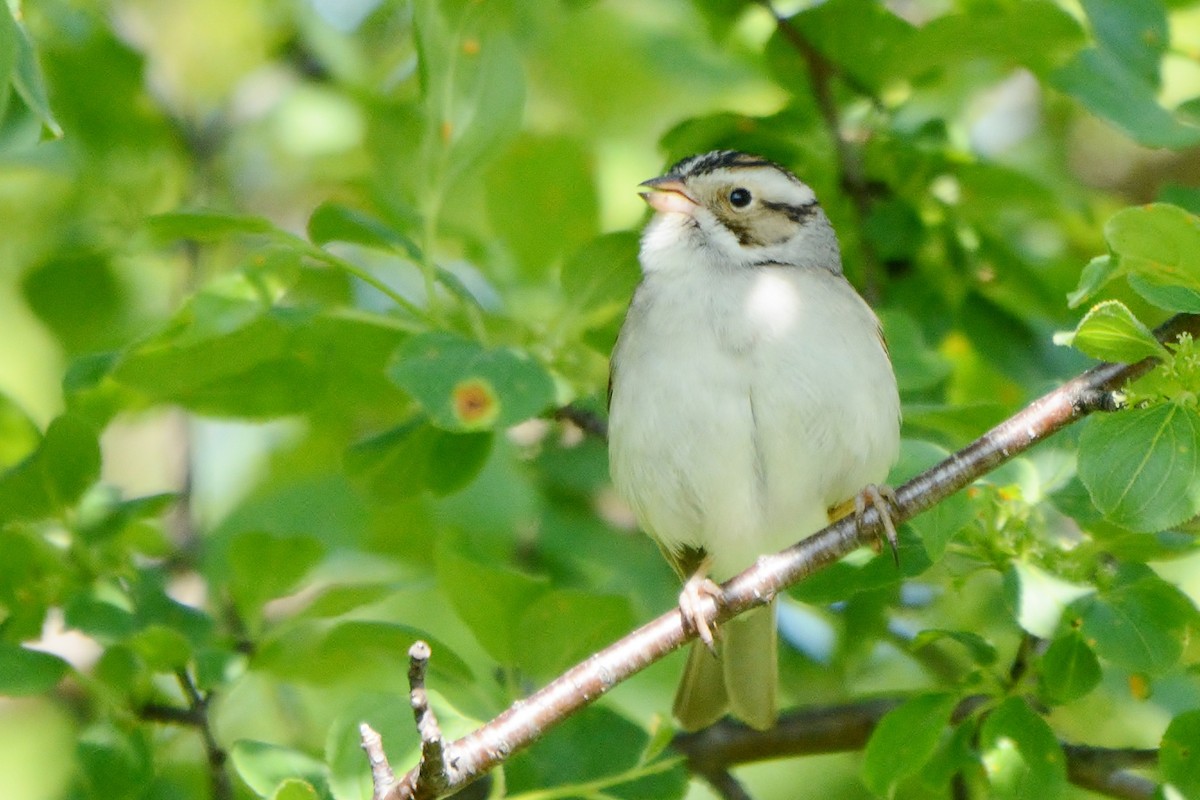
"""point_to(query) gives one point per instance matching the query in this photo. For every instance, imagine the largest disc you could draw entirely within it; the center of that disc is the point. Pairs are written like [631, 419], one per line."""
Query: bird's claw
[883, 499]
[696, 591]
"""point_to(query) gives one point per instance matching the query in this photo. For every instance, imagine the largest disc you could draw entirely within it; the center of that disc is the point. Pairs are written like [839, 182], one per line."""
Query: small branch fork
[446, 767]
[195, 716]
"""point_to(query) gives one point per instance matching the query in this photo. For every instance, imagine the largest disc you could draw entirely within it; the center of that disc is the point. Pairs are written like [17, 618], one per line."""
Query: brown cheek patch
[475, 403]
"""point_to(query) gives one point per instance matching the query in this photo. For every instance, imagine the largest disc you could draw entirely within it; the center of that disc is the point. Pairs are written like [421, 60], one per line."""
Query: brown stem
[529, 718]
[848, 727]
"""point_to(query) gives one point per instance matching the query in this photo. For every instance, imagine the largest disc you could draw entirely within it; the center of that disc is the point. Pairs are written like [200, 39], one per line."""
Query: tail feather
[742, 679]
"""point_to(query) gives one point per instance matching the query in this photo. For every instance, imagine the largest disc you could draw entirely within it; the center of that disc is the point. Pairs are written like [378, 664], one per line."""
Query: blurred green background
[249, 250]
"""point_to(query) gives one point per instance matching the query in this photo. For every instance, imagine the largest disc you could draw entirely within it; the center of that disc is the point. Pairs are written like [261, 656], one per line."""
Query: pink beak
[667, 195]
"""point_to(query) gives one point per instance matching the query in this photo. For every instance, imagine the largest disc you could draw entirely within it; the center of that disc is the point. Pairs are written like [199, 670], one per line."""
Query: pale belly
[737, 436]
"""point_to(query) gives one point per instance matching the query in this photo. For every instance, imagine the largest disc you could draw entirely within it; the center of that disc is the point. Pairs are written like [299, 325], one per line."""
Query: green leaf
[161, 647]
[265, 766]
[1099, 271]
[1111, 90]
[295, 789]
[541, 198]
[416, 456]
[104, 621]
[1135, 32]
[1170, 297]
[1110, 332]
[1038, 35]
[492, 101]
[565, 626]
[600, 277]
[981, 650]
[472, 84]
[205, 226]
[1179, 753]
[29, 83]
[594, 745]
[334, 222]
[1068, 669]
[905, 739]
[1021, 754]
[939, 524]
[19, 436]
[228, 354]
[918, 368]
[25, 672]
[1140, 625]
[352, 652]
[1159, 247]
[1140, 466]
[54, 477]
[496, 622]
[464, 387]
[264, 566]
[9, 36]
[859, 36]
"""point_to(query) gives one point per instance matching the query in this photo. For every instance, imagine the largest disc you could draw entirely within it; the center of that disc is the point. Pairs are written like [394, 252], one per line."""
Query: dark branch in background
[195, 716]
[821, 74]
[843, 728]
[468, 758]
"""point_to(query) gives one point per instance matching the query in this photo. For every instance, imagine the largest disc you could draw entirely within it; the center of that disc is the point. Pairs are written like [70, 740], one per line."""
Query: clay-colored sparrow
[751, 393]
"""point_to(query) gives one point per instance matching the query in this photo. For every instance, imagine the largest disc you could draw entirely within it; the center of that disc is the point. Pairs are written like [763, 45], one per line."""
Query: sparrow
[751, 397]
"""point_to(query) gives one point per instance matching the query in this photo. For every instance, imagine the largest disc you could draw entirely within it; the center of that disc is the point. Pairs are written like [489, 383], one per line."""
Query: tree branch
[195, 716]
[844, 728]
[821, 74]
[516, 728]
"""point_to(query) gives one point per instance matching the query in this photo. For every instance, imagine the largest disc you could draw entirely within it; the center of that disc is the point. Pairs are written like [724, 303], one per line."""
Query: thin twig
[529, 718]
[727, 786]
[222, 787]
[382, 777]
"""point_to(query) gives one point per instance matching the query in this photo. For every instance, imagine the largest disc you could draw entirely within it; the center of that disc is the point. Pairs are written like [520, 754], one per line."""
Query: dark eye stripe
[798, 213]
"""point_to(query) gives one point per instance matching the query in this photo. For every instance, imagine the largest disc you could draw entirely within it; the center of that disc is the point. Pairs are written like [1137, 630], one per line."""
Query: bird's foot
[883, 499]
[697, 591]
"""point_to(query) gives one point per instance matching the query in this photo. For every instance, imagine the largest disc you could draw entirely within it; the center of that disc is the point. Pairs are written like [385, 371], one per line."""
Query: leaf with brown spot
[466, 387]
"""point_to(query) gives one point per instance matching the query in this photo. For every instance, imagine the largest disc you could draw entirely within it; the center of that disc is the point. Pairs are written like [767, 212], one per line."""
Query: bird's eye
[739, 198]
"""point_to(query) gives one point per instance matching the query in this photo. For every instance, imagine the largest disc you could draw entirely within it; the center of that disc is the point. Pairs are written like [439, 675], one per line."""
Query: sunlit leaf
[1020, 753]
[1110, 332]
